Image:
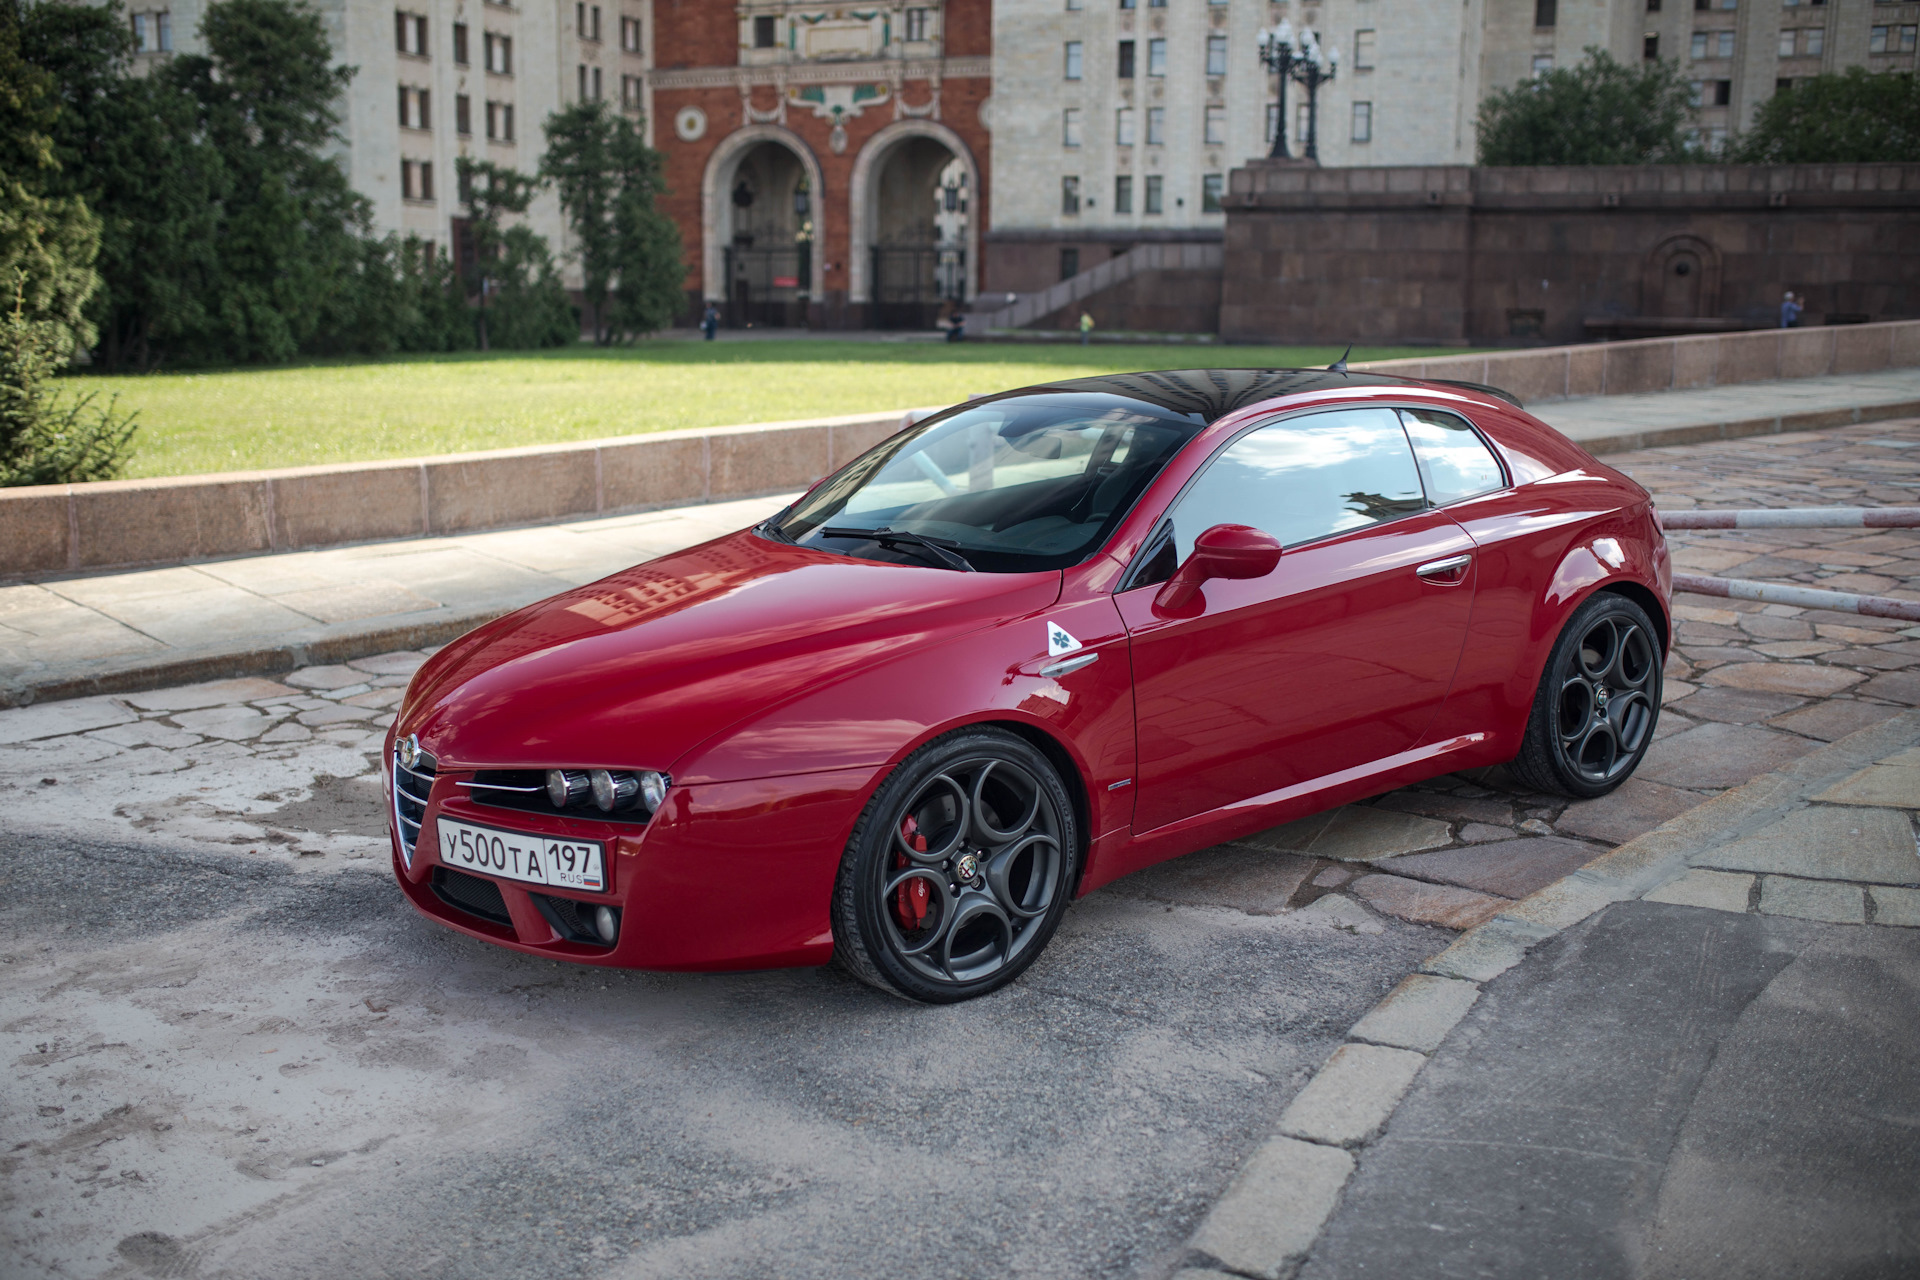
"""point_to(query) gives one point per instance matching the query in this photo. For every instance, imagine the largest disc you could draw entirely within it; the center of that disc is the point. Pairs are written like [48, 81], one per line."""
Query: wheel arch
[1648, 600]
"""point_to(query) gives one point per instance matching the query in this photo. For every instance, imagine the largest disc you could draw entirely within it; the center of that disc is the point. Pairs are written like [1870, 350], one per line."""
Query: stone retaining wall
[117, 523]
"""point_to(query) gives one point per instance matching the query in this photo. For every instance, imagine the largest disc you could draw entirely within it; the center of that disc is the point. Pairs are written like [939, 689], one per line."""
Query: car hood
[636, 670]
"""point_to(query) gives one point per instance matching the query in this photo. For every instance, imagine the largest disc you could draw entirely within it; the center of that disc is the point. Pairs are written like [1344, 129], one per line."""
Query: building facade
[1116, 120]
[827, 165]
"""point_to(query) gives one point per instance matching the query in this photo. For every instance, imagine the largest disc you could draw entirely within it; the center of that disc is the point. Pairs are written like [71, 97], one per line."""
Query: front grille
[526, 789]
[471, 894]
[570, 919]
[411, 787]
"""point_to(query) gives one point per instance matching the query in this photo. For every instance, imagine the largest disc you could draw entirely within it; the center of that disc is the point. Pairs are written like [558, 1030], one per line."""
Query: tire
[1599, 699]
[958, 870]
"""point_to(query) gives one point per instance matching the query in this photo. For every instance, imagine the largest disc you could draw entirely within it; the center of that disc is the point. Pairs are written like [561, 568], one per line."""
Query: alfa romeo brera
[1020, 649]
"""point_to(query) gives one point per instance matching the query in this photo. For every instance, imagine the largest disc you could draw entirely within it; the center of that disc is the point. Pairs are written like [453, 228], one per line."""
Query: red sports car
[1020, 649]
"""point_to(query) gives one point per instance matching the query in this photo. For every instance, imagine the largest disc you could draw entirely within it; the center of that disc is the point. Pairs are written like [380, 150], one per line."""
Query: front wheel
[958, 871]
[1594, 713]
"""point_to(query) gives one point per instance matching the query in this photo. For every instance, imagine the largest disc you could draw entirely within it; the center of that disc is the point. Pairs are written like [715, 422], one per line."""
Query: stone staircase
[1028, 308]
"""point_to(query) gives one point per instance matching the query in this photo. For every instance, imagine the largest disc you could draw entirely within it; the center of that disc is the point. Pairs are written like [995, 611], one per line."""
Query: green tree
[45, 437]
[49, 239]
[1858, 117]
[130, 147]
[1599, 112]
[523, 303]
[607, 179]
[290, 241]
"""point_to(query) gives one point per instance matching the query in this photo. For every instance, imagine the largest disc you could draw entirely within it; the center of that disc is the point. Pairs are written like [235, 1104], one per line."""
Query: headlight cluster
[612, 790]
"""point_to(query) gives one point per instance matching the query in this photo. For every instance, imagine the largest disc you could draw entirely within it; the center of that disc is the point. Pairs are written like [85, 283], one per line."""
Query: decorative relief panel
[790, 31]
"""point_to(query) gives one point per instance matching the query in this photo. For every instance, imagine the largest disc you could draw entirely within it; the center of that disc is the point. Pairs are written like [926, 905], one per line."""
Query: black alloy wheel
[958, 871]
[1594, 713]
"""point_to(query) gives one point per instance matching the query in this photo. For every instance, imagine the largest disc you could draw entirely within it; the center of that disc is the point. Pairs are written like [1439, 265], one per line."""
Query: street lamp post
[1298, 57]
[1277, 56]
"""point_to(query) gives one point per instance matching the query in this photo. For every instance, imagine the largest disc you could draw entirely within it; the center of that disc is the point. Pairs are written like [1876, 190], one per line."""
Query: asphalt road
[226, 1065]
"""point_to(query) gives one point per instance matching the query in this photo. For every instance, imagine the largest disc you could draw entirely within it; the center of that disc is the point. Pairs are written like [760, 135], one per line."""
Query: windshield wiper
[937, 548]
[768, 528]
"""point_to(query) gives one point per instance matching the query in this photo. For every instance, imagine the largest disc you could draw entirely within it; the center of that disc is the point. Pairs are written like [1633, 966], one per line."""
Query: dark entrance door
[906, 284]
[767, 286]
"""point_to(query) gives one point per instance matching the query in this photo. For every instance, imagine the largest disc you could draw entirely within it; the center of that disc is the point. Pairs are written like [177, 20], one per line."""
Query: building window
[1070, 127]
[1877, 39]
[153, 32]
[1073, 60]
[500, 121]
[1363, 49]
[1273, 122]
[597, 95]
[1544, 12]
[499, 54]
[1156, 126]
[415, 108]
[416, 180]
[1816, 42]
[765, 35]
[1722, 93]
[1156, 4]
[1126, 4]
[581, 94]
[630, 91]
[1211, 186]
[1123, 127]
[1701, 6]
[410, 33]
[1650, 46]
[1215, 128]
[1156, 57]
[1069, 263]
[593, 13]
[1125, 71]
[1216, 55]
[1070, 194]
[1156, 185]
[1723, 44]
[460, 43]
[1542, 63]
[1698, 48]
[462, 115]
[917, 26]
[630, 35]
[1123, 193]
[1362, 122]
[1653, 6]
[1302, 121]
[1782, 85]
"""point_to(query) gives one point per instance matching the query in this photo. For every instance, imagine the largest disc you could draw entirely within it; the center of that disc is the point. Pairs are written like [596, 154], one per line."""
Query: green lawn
[352, 412]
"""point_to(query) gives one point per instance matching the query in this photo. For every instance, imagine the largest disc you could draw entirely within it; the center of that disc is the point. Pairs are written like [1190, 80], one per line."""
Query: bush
[1855, 118]
[44, 437]
[1599, 112]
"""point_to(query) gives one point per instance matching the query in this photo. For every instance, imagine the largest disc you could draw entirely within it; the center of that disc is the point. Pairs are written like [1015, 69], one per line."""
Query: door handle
[1451, 567]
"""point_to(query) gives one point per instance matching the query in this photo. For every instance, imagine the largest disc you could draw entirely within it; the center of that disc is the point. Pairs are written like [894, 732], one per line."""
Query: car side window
[1454, 461]
[1304, 478]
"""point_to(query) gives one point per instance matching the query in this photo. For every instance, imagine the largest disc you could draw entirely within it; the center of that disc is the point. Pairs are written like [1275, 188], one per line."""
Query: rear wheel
[958, 872]
[1594, 713]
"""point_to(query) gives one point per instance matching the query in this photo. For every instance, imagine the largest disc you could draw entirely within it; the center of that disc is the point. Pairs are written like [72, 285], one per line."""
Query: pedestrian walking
[1086, 327]
[710, 322]
[1789, 311]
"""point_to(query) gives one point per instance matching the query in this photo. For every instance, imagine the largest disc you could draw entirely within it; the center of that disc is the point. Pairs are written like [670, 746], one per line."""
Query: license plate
[518, 855]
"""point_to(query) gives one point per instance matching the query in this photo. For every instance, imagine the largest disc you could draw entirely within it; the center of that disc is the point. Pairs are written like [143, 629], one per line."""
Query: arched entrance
[915, 237]
[1682, 279]
[759, 214]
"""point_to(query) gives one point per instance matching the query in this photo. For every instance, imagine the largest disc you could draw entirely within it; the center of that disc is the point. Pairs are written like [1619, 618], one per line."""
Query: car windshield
[1014, 485]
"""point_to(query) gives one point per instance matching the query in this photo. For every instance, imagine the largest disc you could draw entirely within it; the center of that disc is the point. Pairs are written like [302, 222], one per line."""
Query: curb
[1813, 420]
[220, 664]
[1272, 1213]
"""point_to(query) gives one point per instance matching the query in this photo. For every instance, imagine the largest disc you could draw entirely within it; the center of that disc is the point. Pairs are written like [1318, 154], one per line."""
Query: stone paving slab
[1866, 846]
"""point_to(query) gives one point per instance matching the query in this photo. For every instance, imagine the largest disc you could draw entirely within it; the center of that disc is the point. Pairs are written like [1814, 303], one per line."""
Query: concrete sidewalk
[1696, 1056]
[70, 635]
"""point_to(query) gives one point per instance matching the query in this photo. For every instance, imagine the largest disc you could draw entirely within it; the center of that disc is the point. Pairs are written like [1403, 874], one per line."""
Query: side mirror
[1224, 551]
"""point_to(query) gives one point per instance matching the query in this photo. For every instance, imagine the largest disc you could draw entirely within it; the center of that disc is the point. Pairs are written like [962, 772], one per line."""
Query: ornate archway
[717, 186]
[864, 204]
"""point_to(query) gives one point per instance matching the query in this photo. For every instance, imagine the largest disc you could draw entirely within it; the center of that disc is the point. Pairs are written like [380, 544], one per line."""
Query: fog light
[566, 786]
[606, 924]
[614, 791]
[653, 790]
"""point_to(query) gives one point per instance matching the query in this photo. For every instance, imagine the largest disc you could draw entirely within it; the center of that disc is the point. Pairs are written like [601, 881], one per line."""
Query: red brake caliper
[910, 899]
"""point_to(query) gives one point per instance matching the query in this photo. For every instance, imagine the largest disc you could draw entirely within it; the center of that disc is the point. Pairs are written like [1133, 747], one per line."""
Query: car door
[1339, 657]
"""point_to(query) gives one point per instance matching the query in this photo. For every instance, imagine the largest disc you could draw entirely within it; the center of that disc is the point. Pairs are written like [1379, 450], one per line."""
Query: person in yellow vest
[1086, 327]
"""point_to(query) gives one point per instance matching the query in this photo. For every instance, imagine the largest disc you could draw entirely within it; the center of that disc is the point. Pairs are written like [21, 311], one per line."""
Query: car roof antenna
[1340, 365]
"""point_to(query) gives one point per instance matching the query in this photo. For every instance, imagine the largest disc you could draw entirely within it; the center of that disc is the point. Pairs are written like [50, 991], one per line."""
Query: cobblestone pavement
[1192, 999]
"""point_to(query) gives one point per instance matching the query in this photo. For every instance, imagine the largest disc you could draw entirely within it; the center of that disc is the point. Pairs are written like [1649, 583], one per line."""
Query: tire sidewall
[857, 918]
